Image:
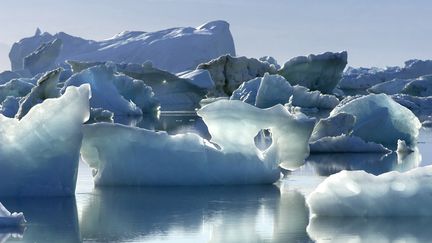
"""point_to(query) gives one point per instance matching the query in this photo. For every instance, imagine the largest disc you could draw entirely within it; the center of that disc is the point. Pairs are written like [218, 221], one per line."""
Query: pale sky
[375, 33]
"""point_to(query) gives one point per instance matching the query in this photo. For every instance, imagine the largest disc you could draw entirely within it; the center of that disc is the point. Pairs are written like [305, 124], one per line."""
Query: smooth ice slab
[146, 157]
[40, 152]
[357, 193]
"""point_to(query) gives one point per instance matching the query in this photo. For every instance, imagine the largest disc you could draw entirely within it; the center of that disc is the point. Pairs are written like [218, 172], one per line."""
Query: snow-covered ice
[175, 49]
[317, 72]
[155, 158]
[40, 152]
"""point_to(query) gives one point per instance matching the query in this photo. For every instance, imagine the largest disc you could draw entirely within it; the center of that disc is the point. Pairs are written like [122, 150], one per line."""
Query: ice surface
[198, 77]
[187, 159]
[413, 102]
[375, 111]
[271, 90]
[46, 88]
[9, 107]
[345, 144]
[40, 152]
[190, 47]
[15, 88]
[6, 76]
[229, 72]
[391, 87]
[357, 193]
[421, 87]
[8, 219]
[44, 58]
[117, 93]
[316, 72]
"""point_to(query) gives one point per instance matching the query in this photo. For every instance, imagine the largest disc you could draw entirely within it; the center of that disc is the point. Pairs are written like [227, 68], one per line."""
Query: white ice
[231, 157]
[40, 152]
[357, 193]
[8, 219]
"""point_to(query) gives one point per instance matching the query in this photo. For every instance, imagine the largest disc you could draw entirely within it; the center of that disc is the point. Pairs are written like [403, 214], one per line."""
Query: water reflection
[402, 229]
[375, 163]
[202, 214]
[51, 219]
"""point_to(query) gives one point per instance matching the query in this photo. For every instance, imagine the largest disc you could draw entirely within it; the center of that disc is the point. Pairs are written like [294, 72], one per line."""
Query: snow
[117, 93]
[274, 89]
[187, 159]
[380, 111]
[316, 72]
[190, 47]
[8, 219]
[46, 88]
[229, 72]
[357, 193]
[40, 152]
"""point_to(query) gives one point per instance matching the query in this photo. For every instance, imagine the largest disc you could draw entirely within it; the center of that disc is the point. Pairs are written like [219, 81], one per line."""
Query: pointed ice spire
[38, 32]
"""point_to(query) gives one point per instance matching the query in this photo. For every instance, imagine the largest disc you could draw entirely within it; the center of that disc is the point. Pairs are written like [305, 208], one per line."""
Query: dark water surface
[275, 213]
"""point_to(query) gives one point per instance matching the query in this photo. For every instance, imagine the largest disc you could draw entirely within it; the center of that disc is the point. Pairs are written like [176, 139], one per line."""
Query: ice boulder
[8, 219]
[379, 119]
[357, 193]
[316, 72]
[40, 152]
[115, 92]
[269, 90]
[46, 88]
[190, 47]
[229, 72]
[231, 157]
[44, 58]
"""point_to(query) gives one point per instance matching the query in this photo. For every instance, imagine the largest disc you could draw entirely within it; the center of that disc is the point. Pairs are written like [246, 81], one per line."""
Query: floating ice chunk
[345, 144]
[100, 115]
[381, 120]
[341, 123]
[391, 87]
[40, 152]
[117, 93]
[229, 72]
[187, 159]
[43, 58]
[316, 72]
[46, 88]
[419, 87]
[271, 90]
[190, 46]
[15, 88]
[357, 193]
[199, 77]
[403, 148]
[8, 219]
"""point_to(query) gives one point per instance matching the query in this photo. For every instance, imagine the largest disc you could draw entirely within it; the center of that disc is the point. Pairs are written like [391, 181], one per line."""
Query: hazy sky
[375, 33]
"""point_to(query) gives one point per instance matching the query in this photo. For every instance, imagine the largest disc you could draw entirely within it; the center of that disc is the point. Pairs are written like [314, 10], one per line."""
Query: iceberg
[345, 144]
[421, 87]
[15, 88]
[391, 87]
[8, 219]
[46, 88]
[229, 72]
[380, 111]
[117, 93]
[357, 193]
[414, 103]
[43, 58]
[270, 90]
[40, 152]
[190, 47]
[316, 72]
[230, 157]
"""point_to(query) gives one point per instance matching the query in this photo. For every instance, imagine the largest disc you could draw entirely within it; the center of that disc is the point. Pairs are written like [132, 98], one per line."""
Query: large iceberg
[270, 90]
[175, 49]
[357, 193]
[40, 152]
[8, 219]
[316, 72]
[231, 157]
[115, 92]
[229, 72]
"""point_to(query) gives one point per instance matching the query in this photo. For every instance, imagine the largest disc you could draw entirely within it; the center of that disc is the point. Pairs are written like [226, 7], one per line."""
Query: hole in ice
[263, 139]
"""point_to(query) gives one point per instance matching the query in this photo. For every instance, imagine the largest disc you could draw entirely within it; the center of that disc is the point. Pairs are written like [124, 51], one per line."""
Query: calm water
[274, 213]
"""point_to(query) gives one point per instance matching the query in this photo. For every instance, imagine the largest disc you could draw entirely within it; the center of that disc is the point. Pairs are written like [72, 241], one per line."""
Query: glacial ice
[316, 72]
[269, 90]
[391, 87]
[187, 159]
[345, 144]
[44, 58]
[46, 88]
[421, 87]
[15, 88]
[380, 111]
[117, 93]
[357, 193]
[8, 219]
[190, 47]
[9, 107]
[229, 72]
[414, 103]
[40, 152]
[6, 76]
